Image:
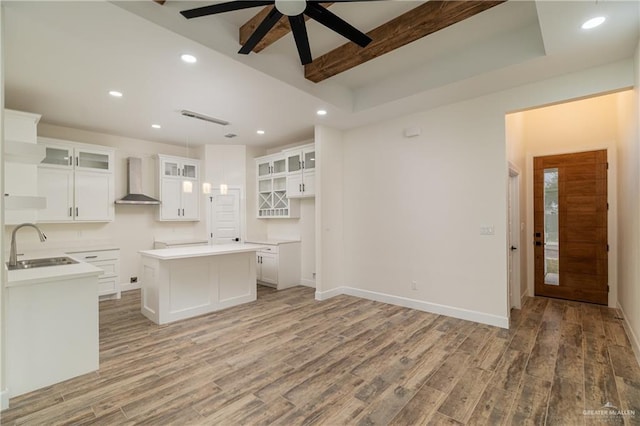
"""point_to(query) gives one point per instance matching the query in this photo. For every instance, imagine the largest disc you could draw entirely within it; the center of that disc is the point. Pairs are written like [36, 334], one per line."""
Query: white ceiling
[61, 59]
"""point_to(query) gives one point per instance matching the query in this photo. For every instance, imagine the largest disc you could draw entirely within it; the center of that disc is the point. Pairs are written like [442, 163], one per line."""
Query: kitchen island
[184, 282]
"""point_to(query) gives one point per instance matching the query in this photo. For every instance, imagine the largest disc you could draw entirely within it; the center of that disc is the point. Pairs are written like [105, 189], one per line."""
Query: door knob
[514, 248]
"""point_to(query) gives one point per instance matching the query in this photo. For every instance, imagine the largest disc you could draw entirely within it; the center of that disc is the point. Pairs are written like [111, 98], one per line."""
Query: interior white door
[225, 216]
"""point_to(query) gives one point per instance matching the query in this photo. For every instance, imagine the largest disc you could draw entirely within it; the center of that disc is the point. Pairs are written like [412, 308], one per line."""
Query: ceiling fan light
[291, 7]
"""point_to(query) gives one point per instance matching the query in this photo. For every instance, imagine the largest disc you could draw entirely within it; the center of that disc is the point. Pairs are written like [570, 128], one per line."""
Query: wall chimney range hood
[134, 185]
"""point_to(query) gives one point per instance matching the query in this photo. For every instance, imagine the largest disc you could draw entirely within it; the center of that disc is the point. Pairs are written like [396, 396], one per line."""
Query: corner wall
[629, 195]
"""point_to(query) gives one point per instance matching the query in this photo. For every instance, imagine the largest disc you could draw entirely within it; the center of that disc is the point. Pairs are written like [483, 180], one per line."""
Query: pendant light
[187, 185]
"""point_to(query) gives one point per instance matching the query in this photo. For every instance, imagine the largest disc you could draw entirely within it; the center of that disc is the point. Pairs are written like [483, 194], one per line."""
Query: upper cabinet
[271, 166]
[77, 181]
[179, 183]
[21, 156]
[301, 167]
[271, 172]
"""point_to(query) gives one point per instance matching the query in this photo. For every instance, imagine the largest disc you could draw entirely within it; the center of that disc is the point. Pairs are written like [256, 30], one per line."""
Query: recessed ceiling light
[190, 59]
[593, 22]
[260, 132]
[115, 93]
[321, 112]
[156, 126]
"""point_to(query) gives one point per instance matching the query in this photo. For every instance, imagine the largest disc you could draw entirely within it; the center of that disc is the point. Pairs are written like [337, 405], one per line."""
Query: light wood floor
[288, 359]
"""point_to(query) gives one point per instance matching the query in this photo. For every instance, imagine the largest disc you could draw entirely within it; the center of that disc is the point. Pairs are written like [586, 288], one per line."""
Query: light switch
[487, 230]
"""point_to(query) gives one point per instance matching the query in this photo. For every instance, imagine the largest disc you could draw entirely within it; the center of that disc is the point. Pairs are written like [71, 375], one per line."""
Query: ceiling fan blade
[299, 30]
[267, 23]
[223, 7]
[337, 24]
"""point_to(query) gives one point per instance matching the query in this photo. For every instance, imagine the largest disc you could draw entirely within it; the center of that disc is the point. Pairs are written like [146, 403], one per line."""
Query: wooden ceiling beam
[419, 22]
[279, 30]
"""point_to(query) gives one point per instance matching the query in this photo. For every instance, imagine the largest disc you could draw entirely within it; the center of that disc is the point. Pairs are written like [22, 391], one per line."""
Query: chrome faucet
[13, 255]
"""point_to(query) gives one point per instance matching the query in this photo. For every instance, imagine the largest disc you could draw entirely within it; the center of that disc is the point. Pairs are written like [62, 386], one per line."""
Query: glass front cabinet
[301, 167]
[273, 202]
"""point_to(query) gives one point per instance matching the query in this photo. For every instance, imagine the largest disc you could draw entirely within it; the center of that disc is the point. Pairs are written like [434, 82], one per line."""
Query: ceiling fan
[294, 10]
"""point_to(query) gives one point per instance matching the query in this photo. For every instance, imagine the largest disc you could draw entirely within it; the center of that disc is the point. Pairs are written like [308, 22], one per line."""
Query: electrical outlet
[414, 285]
[133, 280]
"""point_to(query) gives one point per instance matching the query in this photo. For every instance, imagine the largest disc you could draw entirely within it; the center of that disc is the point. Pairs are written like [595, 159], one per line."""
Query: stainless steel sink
[40, 263]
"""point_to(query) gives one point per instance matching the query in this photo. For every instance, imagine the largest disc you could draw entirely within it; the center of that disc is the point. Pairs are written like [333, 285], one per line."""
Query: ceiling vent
[203, 117]
[230, 135]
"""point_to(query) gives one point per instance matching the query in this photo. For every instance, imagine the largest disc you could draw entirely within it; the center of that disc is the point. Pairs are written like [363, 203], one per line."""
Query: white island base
[185, 282]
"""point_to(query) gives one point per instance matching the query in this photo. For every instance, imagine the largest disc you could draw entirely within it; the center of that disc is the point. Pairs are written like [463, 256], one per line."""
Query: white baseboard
[635, 343]
[127, 286]
[308, 283]
[420, 305]
[4, 399]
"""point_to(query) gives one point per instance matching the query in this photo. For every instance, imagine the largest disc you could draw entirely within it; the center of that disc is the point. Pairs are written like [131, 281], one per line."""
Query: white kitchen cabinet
[278, 263]
[22, 155]
[107, 259]
[272, 189]
[77, 181]
[301, 171]
[178, 205]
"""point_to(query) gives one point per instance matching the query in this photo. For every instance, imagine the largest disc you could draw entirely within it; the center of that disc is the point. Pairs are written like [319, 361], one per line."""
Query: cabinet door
[189, 209]
[56, 185]
[58, 156]
[294, 186]
[294, 162]
[190, 170]
[279, 166]
[170, 168]
[269, 264]
[93, 160]
[309, 159]
[309, 184]
[93, 197]
[264, 168]
[170, 195]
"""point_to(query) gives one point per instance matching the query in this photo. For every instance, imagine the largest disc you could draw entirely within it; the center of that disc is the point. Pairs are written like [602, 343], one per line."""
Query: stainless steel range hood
[134, 185]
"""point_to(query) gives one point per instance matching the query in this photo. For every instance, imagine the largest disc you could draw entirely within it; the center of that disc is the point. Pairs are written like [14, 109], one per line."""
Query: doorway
[513, 217]
[224, 216]
[570, 226]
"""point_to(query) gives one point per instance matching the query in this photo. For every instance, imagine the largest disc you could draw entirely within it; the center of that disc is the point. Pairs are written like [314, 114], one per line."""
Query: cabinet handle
[300, 164]
[76, 212]
[303, 187]
[70, 211]
[70, 160]
[178, 212]
[77, 161]
[303, 164]
[91, 257]
[182, 212]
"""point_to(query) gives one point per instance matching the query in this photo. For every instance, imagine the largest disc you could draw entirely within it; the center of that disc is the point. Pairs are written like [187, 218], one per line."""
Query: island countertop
[200, 251]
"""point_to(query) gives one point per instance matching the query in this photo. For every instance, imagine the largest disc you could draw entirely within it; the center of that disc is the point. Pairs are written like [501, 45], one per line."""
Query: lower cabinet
[278, 264]
[109, 261]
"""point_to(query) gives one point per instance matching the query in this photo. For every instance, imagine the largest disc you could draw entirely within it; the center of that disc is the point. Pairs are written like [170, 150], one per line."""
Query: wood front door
[570, 226]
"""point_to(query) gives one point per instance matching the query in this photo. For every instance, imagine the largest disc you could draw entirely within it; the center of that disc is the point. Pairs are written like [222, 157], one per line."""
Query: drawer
[269, 249]
[97, 255]
[108, 266]
[107, 286]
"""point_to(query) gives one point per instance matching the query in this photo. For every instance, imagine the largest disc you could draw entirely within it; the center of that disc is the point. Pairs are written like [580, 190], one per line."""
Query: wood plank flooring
[290, 360]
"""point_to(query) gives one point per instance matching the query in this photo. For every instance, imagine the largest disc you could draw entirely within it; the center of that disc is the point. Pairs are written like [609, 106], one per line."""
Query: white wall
[629, 210]
[392, 210]
[330, 223]
[514, 124]
[135, 227]
[583, 125]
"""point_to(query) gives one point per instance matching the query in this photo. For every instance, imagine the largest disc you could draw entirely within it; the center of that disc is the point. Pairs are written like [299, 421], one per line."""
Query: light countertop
[21, 277]
[200, 251]
[271, 242]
